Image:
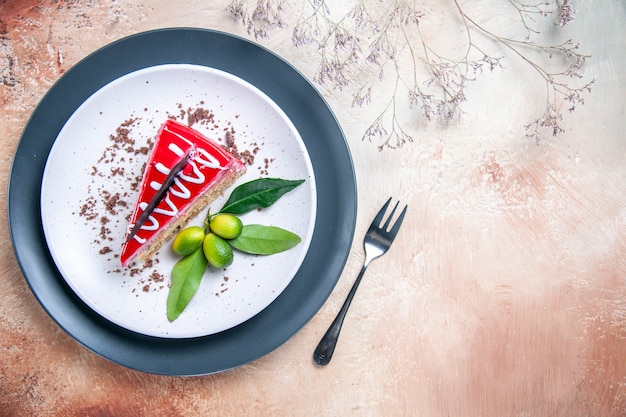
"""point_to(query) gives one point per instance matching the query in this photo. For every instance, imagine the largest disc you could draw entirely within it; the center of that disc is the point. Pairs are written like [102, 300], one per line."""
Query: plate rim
[221, 351]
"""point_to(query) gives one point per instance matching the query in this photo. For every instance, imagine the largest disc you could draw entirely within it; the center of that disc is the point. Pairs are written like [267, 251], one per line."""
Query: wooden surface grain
[504, 294]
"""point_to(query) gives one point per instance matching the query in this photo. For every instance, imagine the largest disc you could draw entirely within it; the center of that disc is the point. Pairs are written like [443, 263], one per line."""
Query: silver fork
[377, 241]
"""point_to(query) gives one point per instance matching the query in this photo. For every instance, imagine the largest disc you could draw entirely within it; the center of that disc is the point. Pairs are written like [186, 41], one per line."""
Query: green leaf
[264, 240]
[186, 277]
[260, 193]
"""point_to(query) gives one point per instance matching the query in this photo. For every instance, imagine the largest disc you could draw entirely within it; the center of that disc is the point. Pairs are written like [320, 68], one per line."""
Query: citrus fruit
[217, 251]
[188, 240]
[227, 226]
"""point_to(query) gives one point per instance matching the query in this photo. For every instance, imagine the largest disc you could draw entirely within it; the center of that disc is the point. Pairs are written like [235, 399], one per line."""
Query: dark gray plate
[336, 202]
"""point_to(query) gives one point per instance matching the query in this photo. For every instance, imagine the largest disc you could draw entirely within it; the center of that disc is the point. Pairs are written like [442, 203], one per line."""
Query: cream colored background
[504, 294]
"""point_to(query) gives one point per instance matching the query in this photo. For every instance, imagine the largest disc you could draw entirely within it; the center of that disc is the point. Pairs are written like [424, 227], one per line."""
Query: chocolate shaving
[160, 194]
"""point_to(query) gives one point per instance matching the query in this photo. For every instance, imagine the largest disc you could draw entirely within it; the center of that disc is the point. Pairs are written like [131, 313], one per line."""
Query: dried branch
[376, 40]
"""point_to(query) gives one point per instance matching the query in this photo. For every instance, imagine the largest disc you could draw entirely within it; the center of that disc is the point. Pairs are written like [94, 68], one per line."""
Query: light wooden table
[504, 294]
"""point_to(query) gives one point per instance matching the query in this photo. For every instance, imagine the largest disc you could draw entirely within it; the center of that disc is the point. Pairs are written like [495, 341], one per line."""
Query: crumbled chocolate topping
[246, 156]
[112, 201]
[199, 115]
[154, 282]
[230, 139]
[88, 209]
[105, 250]
[264, 170]
[107, 208]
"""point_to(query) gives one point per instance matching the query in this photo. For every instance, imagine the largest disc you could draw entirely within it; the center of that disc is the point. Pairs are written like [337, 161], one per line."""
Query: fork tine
[379, 216]
[390, 216]
[398, 223]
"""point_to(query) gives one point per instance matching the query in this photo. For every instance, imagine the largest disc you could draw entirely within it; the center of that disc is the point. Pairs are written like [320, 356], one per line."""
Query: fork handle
[326, 347]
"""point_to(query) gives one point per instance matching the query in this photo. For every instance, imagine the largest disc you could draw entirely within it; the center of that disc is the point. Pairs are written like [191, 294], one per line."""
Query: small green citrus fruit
[217, 251]
[227, 226]
[188, 240]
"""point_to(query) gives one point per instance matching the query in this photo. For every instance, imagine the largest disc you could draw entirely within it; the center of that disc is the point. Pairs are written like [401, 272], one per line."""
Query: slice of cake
[185, 171]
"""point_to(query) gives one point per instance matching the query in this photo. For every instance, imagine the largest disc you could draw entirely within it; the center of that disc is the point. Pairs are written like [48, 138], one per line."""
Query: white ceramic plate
[83, 170]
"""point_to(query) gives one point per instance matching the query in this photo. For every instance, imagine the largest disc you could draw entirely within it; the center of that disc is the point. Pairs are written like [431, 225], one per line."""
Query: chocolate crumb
[87, 210]
[247, 157]
[157, 277]
[105, 250]
[230, 140]
[199, 115]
